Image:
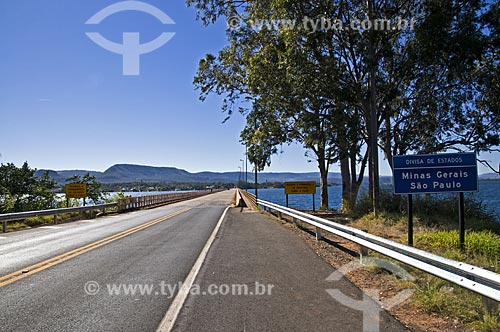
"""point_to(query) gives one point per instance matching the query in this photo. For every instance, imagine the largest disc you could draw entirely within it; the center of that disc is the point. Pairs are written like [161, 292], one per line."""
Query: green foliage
[116, 198]
[434, 211]
[21, 190]
[6, 200]
[490, 323]
[436, 221]
[94, 191]
[432, 88]
[478, 243]
[438, 296]
[162, 186]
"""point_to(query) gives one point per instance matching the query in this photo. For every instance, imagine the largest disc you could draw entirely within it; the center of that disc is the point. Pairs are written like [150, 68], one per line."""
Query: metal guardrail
[128, 203]
[474, 278]
[53, 212]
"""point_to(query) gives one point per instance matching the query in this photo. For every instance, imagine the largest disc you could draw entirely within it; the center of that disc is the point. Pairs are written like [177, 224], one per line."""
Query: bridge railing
[474, 278]
[125, 204]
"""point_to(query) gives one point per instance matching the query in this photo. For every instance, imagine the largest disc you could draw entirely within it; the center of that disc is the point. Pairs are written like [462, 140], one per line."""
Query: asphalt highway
[286, 282]
[124, 273]
[61, 297]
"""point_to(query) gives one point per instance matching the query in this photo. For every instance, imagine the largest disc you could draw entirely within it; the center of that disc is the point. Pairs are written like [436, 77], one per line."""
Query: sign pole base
[461, 220]
[410, 220]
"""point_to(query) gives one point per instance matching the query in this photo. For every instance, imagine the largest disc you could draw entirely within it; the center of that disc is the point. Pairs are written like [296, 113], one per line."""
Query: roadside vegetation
[436, 231]
[22, 190]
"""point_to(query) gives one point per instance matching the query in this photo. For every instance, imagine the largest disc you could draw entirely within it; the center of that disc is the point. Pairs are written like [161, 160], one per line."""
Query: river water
[489, 194]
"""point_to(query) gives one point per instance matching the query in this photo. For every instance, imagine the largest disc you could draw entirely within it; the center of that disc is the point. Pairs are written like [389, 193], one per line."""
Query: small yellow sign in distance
[76, 190]
[304, 187]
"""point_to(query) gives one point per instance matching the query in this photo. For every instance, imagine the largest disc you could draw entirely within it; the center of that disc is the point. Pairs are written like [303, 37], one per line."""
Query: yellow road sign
[76, 190]
[304, 187]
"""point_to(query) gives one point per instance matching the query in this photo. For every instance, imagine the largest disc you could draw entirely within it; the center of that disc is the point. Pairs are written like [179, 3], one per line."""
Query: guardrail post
[363, 254]
[294, 221]
[490, 305]
[279, 215]
[363, 251]
[4, 226]
[55, 219]
[319, 237]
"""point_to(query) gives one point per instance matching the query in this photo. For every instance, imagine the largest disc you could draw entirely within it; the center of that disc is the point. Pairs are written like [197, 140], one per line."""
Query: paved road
[55, 299]
[252, 248]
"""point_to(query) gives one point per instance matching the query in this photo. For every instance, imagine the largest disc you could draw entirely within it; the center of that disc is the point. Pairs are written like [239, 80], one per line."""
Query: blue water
[127, 194]
[489, 194]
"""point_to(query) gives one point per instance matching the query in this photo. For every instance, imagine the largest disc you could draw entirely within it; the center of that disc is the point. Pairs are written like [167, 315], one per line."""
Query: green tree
[94, 191]
[6, 201]
[21, 190]
[345, 93]
[290, 88]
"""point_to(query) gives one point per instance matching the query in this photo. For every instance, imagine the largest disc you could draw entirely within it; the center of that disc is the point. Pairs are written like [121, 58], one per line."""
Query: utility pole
[242, 170]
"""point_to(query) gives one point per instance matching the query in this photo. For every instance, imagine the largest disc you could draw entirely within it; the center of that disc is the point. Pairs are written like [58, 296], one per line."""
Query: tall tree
[21, 190]
[289, 80]
[426, 82]
[437, 98]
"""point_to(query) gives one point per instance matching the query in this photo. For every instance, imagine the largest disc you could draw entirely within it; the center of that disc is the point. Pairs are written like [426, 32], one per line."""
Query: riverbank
[436, 305]
[487, 195]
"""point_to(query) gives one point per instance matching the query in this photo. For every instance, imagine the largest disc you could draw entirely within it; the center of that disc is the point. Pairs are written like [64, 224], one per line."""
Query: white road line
[168, 321]
[51, 227]
[1, 237]
[88, 221]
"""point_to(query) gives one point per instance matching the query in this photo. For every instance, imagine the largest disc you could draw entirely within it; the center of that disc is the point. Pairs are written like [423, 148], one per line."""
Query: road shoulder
[253, 249]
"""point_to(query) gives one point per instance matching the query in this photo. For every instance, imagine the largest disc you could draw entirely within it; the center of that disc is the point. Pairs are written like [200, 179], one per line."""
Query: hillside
[125, 173]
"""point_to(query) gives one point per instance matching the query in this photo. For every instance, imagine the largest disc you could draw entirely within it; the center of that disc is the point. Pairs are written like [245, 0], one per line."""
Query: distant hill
[125, 173]
[489, 176]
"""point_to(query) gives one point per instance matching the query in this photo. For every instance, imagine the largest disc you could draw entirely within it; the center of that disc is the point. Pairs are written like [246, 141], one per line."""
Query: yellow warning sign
[76, 190]
[304, 187]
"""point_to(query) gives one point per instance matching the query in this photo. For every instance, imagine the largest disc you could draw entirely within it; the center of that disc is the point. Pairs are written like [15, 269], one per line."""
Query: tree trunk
[354, 181]
[373, 123]
[323, 181]
[347, 205]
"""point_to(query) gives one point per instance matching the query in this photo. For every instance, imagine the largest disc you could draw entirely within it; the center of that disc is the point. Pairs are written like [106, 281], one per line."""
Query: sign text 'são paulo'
[306, 187]
[449, 172]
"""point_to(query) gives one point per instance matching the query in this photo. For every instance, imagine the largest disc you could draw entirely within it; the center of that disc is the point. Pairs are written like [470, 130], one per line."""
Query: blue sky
[65, 104]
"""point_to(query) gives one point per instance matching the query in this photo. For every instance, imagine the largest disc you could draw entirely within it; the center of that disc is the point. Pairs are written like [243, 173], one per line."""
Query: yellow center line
[27, 271]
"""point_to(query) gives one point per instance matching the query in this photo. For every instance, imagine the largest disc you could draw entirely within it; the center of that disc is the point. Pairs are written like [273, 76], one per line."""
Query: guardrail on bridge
[128, 203]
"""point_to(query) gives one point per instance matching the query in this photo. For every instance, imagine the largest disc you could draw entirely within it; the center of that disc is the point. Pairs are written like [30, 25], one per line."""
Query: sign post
[435, 173]
[461, 220]
[410, 220]
[303, 187]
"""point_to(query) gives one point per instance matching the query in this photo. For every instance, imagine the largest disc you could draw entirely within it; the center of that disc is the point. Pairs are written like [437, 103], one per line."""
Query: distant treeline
[162, 186]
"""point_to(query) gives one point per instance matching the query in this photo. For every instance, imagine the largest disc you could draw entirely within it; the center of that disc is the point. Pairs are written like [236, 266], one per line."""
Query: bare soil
[337, 252]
